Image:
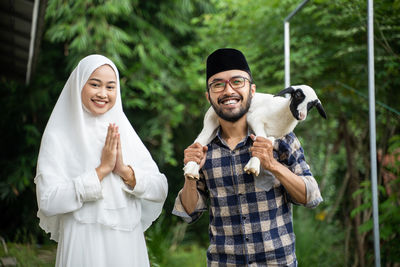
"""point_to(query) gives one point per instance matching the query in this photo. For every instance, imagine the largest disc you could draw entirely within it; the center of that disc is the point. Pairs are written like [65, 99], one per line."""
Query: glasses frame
[228, 81]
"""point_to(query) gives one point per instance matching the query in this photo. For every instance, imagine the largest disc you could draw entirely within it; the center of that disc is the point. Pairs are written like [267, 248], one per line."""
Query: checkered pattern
[250, 218]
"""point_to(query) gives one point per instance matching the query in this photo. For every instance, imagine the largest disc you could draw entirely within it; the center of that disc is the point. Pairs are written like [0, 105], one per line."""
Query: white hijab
[71, 145]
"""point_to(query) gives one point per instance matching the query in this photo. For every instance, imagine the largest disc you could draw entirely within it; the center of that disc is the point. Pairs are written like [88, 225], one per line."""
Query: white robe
[94, 244]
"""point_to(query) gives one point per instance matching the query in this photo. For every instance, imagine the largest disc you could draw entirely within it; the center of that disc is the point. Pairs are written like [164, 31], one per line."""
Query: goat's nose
[302, 115]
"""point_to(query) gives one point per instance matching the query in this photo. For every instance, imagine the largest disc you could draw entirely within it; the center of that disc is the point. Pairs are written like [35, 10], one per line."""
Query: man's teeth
[229, 102]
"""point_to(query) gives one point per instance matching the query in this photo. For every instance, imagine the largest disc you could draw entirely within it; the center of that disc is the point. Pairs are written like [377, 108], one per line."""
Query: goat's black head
[303, 98]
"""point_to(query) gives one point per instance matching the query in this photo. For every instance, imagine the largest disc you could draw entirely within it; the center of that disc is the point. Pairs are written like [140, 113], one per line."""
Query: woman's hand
[124, 171]
[109, 152]
[119, 164]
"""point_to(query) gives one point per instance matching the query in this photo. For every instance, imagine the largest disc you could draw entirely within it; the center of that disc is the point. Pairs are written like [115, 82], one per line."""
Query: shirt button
[247, 239]
[244, 217]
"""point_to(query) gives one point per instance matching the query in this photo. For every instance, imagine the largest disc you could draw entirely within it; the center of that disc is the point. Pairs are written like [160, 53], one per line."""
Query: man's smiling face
[231, 104]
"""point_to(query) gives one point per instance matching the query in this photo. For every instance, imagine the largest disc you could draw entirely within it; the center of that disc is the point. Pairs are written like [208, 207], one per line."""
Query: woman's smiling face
[100, 91]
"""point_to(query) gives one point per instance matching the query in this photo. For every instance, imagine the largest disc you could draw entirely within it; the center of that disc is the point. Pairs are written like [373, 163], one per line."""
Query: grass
[30, 255]
[34, 256]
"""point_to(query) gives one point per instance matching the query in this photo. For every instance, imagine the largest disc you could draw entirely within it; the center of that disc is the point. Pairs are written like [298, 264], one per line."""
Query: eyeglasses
[236, 82]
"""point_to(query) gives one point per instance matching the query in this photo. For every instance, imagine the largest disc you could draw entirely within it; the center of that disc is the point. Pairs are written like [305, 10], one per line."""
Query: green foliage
[160, 49]
[389, 206]
[29, 255]
[318, 243]
[165, 246]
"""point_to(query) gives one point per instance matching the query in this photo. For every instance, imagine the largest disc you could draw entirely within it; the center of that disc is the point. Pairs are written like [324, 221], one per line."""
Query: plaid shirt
[250, 218]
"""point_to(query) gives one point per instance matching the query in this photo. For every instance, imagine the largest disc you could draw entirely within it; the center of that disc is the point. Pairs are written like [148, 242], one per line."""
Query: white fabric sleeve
[66, 196]
[88, 186]
[149, 186]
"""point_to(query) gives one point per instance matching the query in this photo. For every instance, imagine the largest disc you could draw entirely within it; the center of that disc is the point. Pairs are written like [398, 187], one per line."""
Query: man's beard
[233, 117]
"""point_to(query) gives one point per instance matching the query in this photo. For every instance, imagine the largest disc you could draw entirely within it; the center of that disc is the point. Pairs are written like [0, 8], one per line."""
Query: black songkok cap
[224, 59]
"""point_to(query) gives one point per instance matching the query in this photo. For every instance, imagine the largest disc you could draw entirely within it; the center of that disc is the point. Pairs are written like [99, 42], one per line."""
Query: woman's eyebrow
[98, 80]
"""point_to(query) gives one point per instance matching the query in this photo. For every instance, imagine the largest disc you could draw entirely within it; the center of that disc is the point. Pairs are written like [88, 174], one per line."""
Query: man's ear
[207, 96]
[253, 89]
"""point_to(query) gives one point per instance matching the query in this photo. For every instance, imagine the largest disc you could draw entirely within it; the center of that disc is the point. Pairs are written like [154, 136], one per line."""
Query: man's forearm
[292, 183]
[189, 196]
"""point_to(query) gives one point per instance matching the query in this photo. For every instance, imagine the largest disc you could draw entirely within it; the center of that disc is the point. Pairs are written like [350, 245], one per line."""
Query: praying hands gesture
[112, 160]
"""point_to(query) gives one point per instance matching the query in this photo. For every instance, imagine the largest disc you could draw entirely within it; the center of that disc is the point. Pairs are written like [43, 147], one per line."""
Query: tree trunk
[354, 185]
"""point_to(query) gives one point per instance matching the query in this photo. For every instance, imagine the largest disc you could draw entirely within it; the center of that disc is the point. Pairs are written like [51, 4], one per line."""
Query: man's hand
[263, 149]
[196, 153]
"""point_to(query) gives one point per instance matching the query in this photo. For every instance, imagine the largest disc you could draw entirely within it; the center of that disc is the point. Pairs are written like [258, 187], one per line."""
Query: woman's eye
[110, 87]
[94, 84]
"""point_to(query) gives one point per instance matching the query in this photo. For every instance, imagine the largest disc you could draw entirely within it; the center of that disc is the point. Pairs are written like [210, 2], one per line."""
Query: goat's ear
[288, 90]
[320, 109]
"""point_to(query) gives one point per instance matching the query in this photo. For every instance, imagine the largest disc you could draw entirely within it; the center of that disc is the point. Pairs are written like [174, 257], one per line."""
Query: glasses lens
[237, 82]
[217, 86]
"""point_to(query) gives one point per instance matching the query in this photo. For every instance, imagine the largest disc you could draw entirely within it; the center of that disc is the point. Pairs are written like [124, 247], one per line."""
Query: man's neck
[233, 132]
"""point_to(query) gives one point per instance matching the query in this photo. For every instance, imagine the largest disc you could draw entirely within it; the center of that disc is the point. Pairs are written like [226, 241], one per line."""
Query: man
[250, 217]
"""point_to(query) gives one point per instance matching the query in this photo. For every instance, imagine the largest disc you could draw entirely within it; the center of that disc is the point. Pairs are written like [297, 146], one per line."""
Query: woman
[98, 188]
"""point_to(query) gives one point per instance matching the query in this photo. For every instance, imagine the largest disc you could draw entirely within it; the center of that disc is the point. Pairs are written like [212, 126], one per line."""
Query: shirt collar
[245, 141]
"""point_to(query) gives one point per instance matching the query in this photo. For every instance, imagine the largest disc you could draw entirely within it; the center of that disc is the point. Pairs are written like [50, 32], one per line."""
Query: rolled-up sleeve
[201, 205]
[291, 154]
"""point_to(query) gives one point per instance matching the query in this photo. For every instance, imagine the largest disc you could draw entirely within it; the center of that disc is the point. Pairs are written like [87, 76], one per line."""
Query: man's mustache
[222, 98]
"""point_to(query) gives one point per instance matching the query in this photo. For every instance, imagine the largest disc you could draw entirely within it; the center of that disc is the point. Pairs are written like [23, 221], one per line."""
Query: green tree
[160, 49]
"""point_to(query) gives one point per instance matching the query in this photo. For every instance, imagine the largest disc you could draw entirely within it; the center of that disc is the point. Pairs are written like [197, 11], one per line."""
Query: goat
[269, 116]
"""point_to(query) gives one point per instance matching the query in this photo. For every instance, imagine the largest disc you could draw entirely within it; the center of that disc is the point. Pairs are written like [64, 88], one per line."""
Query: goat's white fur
[269, 116]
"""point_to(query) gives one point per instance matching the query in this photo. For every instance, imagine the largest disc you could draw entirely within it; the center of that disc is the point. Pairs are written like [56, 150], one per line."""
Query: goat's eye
[298, 94]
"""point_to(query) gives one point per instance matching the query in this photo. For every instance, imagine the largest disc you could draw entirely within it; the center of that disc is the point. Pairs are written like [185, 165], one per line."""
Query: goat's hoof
[191, 171]
[253, 166]
[190, 176]
[251, 171]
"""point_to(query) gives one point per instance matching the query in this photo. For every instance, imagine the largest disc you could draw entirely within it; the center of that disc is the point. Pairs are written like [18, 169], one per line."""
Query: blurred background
[160, 48]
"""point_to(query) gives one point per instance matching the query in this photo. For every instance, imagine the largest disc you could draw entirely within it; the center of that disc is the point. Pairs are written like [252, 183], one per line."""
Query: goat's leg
[253, 166]
[191, 169]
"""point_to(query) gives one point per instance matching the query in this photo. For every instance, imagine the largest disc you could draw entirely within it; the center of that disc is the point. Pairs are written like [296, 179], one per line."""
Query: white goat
[269, 116]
